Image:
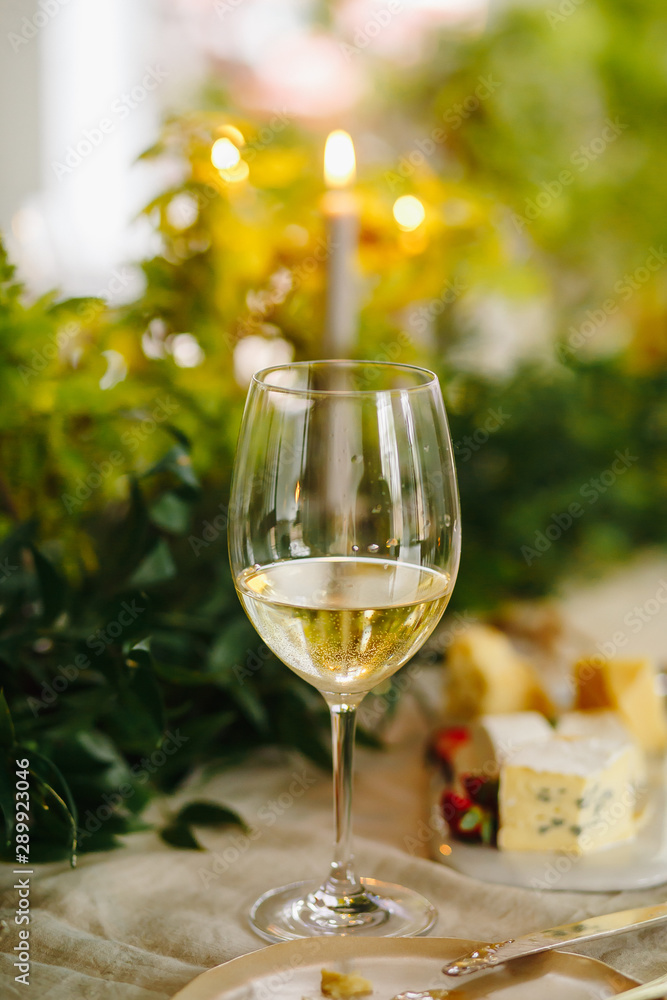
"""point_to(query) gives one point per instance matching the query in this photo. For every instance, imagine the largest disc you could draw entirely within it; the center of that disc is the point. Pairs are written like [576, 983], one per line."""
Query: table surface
[142, 921]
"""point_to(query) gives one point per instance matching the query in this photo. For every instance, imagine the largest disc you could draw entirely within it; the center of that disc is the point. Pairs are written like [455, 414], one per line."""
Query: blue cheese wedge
[494, 739]
[598, 724]
[567, 795]
[604, 724]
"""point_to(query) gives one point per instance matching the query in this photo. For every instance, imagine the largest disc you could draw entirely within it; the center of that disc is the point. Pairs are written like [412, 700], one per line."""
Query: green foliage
[125, 681]
[557, 120]
[558, 445]
[124, 654]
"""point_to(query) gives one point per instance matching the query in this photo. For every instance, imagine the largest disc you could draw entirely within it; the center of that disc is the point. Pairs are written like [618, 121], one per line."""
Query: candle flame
[339, 161]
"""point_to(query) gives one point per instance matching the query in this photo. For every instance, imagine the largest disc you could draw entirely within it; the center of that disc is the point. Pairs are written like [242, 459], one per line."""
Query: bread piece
[485, 675]
[342, 986]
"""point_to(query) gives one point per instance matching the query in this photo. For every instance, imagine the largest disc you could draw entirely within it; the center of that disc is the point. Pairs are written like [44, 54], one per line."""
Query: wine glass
[344, 541]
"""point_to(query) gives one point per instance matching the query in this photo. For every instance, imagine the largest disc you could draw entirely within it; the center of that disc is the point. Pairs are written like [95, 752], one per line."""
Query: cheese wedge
[494, 739]
[597, 723]
[567, 795]
[627, 687]
[604, 724]
[485, 675]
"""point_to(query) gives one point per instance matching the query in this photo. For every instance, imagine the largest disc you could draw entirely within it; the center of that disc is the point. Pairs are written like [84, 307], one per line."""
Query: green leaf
[250, 704]
[177, 461]
[297, 727]
[101, 840]
[133, 534]
[131, 610]
[471, 820]
[157, 149]
[180, 835]
[75, 305]
[7, 793]
[50, 775]
[144, 686]
[178, 434]
[21, 537]
[52, 586]
[7, 735]
[157, 567]
[230, 649]
[488, 830]
[53, 801]
[174, 674]
[209, 814]
[171, 513]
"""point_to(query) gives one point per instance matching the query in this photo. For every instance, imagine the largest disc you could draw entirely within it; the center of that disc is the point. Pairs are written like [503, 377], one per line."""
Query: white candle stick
[341, 212]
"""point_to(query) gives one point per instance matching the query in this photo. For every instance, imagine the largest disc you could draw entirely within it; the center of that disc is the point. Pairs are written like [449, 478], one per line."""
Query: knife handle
[481, 958]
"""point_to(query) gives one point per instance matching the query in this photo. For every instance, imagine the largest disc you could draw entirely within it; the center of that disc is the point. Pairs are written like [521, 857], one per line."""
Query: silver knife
[556, 937]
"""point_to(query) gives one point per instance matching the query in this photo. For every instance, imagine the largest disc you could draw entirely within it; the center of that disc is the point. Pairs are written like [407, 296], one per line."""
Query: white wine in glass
[344, 542]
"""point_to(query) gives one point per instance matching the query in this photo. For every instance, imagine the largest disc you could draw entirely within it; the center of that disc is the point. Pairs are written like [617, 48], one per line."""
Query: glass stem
[342, 879]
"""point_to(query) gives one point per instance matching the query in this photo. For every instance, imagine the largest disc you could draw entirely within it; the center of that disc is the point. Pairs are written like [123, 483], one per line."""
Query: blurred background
[161, 203]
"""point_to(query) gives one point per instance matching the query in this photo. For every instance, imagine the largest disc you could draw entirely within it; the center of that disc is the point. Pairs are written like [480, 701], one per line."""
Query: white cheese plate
[291, 971]
[639, 863]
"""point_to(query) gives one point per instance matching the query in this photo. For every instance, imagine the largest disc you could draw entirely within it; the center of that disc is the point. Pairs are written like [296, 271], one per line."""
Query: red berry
[447, 740]
[482, 790]
[466, 820]
[454, 805]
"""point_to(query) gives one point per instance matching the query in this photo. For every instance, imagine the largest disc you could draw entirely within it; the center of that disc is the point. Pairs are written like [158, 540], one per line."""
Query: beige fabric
[139, 923]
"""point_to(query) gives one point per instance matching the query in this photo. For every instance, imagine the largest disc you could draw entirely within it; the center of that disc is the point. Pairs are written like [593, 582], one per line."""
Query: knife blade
[556, 937]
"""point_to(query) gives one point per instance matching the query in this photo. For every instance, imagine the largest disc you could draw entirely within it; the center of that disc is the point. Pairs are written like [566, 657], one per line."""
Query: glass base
[305, 909]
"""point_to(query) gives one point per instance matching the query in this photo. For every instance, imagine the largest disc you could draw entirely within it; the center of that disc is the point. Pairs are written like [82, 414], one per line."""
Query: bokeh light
[224, 154]
[186, 351]
[409, 212]
[237, 173]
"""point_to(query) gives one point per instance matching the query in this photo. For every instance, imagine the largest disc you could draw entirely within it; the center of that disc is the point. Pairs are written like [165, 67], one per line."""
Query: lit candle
[341, 212]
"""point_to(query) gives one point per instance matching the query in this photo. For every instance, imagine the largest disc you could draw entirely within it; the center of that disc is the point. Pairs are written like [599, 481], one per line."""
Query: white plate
[636, 864]
[291, 971]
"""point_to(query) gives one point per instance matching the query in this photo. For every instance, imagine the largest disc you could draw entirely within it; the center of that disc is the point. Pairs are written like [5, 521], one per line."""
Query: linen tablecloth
[141, 922]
